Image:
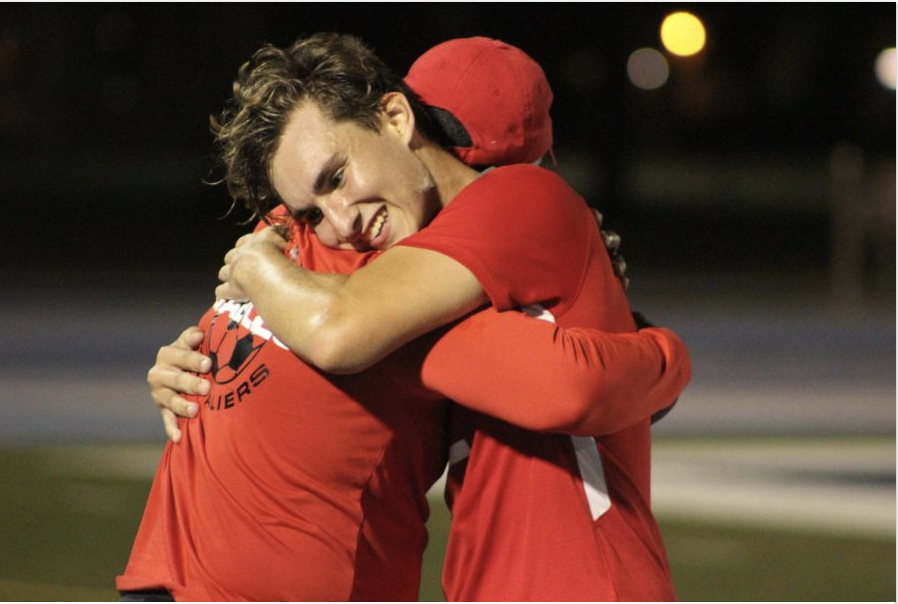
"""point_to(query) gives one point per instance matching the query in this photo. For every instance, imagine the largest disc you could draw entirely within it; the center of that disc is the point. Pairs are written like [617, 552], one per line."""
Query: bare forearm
[344, 324]
[301, 308]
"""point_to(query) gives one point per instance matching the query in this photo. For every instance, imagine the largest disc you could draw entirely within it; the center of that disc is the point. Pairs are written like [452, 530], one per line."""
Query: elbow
[329, 358]
[575, 412]
[592, 404]
[581, 416]
[675, 357]
[686, 371]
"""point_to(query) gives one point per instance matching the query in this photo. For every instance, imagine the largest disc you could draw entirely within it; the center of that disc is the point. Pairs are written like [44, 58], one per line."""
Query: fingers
[620, 266]
[244, 239]
[187, 383]
[170, 421]
[191, 338]
[272, 234]
[620, 270]
[179, 406]
[227, 291]
[165, 380]
[170, 378]
[181, 358]
[169, 401]
[282, 230]
[275, 235]
[246, 249]
[612, 242]
[224, 273]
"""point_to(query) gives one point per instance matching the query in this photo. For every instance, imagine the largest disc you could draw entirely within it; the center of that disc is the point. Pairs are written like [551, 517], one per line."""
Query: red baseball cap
[496, 91]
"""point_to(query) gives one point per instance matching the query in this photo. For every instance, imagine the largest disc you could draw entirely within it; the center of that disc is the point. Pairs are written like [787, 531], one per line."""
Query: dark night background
[104, 137]
[754, 193]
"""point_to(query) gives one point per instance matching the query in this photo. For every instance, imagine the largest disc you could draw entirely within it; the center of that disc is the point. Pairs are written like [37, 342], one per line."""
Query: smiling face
[360, 189]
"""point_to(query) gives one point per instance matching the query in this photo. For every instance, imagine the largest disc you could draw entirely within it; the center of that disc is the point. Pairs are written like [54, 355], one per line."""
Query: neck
[449, 174]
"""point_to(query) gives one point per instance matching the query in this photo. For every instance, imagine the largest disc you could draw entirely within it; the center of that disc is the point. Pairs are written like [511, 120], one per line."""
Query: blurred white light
[647, 69]
[885, 68]
[682, 34]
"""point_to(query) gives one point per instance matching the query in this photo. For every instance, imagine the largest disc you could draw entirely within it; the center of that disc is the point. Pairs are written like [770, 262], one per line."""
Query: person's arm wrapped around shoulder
[539, 376]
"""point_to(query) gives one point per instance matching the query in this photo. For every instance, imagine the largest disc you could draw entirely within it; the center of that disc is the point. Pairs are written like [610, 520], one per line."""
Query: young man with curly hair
[320, 127]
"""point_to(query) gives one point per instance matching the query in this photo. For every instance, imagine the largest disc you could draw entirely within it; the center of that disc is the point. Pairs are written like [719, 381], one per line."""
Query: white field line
[808, 485]
[803, 485]
[690, 493]
[806, 408]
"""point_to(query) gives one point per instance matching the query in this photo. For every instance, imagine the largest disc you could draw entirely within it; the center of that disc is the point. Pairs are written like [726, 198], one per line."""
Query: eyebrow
[322, 182]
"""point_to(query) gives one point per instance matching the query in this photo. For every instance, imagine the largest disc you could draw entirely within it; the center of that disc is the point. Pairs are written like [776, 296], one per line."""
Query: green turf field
[69, 514]
[711, 563]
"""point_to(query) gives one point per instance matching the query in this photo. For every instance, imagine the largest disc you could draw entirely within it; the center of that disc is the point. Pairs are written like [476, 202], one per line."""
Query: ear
[398, 117]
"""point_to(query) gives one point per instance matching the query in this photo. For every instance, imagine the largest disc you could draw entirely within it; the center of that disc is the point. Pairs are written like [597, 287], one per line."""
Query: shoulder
[520, 193]
[521, 230]
[527, 172]
[523, 180]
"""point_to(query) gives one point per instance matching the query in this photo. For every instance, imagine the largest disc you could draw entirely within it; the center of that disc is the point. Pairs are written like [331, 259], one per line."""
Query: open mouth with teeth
[376, 226]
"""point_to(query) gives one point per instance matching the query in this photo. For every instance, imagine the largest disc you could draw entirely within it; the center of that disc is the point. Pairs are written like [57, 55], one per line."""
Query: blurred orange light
[885, 68]
[683, 34]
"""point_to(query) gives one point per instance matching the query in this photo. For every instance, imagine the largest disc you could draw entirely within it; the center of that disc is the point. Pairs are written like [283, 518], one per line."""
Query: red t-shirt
[294, 485]
[543, 516]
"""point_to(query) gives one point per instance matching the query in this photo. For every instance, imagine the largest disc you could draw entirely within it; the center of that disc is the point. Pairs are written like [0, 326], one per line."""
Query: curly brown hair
[337, 71]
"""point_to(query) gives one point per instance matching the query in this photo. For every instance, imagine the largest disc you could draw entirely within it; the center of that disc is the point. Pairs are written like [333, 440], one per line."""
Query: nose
[344, 217]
